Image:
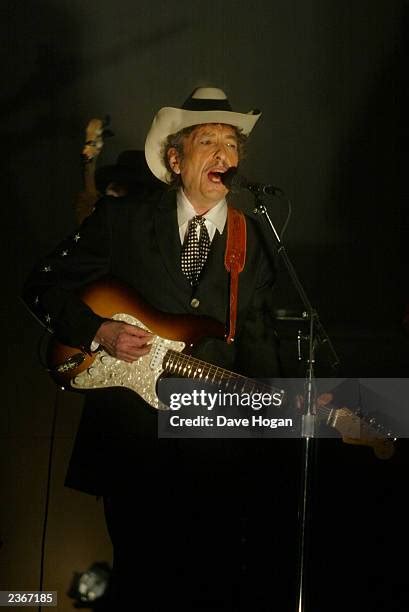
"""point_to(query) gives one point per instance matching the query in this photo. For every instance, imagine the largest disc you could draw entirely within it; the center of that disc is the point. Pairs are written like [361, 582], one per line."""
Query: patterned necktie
[195, 250]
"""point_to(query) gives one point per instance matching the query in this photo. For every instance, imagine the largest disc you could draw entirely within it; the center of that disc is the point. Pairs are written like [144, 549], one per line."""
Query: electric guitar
[174, 337]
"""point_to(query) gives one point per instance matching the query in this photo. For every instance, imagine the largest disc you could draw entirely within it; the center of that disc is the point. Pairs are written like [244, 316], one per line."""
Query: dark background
[330, 78]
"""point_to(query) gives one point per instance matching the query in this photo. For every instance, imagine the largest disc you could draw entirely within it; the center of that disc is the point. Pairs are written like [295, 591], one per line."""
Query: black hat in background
[130, 170]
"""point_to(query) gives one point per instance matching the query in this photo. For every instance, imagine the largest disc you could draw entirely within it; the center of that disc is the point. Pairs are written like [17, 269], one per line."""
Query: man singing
[191, 521]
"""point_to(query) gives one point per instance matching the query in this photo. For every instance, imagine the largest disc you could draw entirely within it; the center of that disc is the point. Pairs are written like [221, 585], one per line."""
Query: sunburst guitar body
[174, 336]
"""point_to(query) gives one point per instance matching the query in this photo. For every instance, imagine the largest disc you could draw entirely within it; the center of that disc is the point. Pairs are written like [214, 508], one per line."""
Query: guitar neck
[185, 366]
[344, 420]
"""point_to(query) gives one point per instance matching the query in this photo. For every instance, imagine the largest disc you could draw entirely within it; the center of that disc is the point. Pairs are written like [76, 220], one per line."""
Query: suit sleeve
[50, 291]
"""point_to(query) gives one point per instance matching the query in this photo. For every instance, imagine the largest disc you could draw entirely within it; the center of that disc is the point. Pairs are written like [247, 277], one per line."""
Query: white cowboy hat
[204, 105]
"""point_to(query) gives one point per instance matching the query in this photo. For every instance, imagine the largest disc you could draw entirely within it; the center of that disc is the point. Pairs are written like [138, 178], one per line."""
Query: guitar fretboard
[186, 366]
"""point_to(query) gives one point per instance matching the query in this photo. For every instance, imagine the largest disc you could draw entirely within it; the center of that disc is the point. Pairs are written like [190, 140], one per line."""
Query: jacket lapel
[167, 236]
[215, 261]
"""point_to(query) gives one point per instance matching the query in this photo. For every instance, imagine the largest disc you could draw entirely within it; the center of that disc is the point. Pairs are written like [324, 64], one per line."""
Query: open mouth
[215, 176]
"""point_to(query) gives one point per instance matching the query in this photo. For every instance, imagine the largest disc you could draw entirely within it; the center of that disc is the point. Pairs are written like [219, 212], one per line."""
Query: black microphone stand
[317, 335]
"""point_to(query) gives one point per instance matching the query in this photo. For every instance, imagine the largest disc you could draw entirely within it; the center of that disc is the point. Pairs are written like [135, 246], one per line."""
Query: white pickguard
[140, 376]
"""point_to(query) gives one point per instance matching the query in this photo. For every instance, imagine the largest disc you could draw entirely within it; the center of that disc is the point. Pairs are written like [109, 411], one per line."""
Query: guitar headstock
[96, 131]
[361, 430]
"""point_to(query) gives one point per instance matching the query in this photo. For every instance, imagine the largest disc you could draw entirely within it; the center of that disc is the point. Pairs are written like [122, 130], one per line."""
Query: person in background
[129, 175]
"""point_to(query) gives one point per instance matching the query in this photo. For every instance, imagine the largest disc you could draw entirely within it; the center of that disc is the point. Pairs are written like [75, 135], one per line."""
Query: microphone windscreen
[231, 179]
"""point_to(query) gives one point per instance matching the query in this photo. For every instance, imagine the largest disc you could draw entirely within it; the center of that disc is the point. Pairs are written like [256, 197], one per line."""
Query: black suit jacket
[137, 241]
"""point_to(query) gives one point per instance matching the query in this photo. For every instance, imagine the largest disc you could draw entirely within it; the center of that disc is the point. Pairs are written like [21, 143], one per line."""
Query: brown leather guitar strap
[234, 260]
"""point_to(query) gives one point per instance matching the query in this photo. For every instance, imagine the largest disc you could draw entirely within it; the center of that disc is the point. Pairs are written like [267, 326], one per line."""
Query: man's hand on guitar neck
[123, 341]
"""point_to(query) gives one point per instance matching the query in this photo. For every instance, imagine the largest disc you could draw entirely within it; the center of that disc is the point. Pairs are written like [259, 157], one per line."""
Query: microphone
[235, 181]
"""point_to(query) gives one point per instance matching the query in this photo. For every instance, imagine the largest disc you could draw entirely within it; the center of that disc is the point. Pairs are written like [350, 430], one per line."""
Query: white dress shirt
[215, 218]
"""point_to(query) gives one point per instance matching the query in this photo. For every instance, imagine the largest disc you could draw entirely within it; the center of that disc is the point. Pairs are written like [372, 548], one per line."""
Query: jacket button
[195, 303]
